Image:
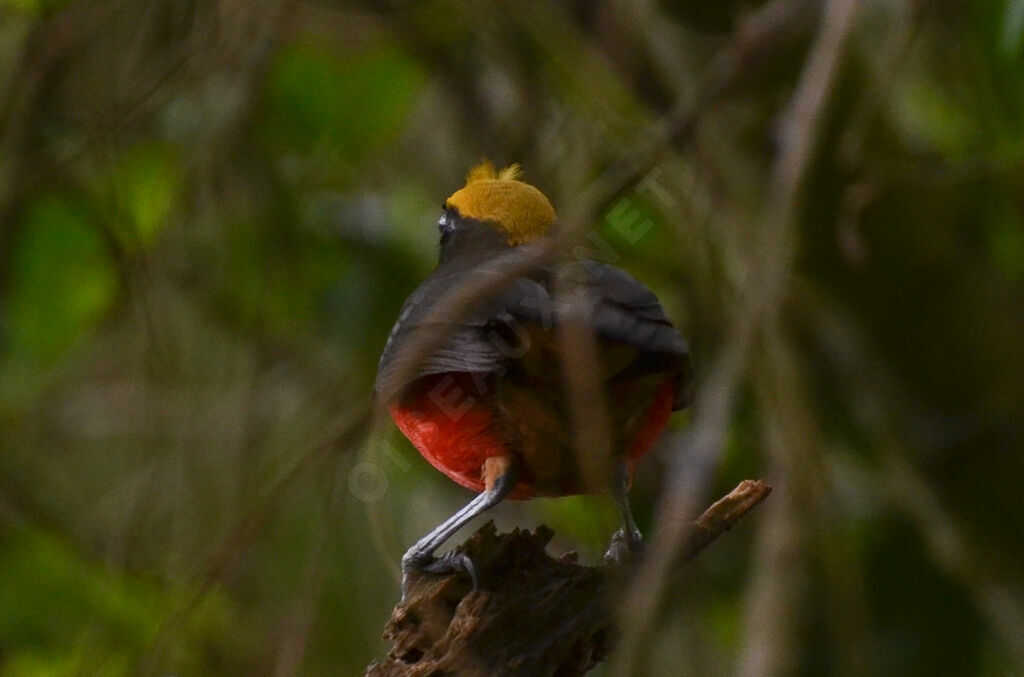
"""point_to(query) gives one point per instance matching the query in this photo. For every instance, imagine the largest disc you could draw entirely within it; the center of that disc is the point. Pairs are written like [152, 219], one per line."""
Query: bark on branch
[531, 614]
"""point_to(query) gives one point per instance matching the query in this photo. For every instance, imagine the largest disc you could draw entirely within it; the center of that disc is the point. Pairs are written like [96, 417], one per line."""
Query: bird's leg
[500, 474]
[628, 540]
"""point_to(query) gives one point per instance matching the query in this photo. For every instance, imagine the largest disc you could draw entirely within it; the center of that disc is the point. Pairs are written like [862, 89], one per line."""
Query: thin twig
[722, 515]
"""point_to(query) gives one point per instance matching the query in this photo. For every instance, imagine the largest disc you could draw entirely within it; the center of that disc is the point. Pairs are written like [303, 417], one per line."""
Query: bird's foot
[450, 562]
[625, 547]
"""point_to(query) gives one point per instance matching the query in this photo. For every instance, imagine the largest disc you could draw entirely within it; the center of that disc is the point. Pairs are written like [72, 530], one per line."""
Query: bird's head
[516, 210]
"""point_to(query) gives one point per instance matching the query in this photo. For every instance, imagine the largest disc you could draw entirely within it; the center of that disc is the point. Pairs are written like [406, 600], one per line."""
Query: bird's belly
[543, 435]
[453, 428]
[456, 428]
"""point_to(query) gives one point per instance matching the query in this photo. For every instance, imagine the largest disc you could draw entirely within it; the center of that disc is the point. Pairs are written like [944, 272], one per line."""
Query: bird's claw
[625, 547]
[451, 562]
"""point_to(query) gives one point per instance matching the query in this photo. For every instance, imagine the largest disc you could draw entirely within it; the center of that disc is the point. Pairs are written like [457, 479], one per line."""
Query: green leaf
[63, 280]
[146, 181]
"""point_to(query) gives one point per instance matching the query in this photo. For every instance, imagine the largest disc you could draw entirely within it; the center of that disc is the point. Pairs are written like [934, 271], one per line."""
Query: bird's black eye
[446, 222]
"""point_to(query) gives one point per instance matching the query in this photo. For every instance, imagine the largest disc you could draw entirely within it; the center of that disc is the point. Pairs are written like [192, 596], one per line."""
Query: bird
[483, 394]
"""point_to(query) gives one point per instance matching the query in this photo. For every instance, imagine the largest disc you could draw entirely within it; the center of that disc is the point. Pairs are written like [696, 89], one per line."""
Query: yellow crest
[502, 199]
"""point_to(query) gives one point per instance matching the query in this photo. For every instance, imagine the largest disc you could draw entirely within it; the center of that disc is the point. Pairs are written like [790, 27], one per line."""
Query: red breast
[456, 429]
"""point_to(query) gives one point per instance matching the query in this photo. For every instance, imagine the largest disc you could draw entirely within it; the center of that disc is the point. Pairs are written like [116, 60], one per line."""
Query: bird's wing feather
[619, 308]
[623, 309]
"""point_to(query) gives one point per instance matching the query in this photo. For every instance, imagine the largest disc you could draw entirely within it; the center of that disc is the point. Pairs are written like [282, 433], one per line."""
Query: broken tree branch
[531, 614]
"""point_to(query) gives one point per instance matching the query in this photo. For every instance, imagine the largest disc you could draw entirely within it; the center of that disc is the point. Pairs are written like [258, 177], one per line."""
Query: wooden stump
[444, 627]
[531, 614]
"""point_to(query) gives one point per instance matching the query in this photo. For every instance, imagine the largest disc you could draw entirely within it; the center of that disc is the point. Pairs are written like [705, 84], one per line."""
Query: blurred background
[211, 212]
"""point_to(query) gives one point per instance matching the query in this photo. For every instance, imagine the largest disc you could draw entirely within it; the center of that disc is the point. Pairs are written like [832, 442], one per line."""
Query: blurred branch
[879, 89]
[348, 432]
[444, 627]
[799, 133]
[1000, 603]
[774, 598]
[760, 34]
[771, 600]
[996, 592]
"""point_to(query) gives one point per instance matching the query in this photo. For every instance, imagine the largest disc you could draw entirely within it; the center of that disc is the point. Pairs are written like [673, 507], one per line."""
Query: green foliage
[63, 614]
[1006, 243]
[934, 121]
[43, 580]
[583, 520]
[144, 185]
[350, 105]
[63, 279]
[33, 6]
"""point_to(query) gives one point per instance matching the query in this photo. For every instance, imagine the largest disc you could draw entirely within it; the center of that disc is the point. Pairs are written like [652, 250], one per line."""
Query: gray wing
[466, 344]
[618, 307]
[625, 310]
